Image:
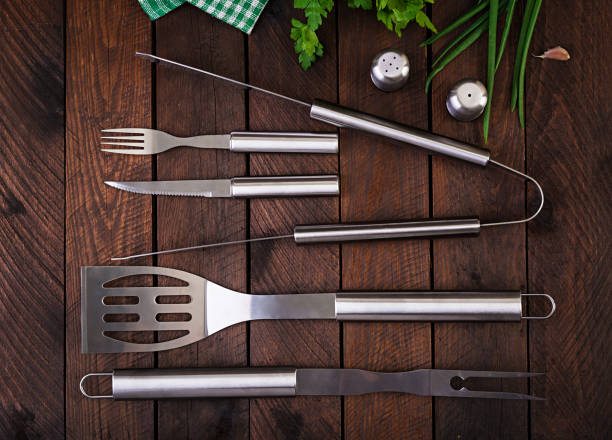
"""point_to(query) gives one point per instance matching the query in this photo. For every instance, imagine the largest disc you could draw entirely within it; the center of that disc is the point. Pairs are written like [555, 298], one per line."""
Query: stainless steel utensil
[287, 382]
[349, 118]
[345, 117]
[212, 307]
[149, 141]
[337, 233]
[289, 186]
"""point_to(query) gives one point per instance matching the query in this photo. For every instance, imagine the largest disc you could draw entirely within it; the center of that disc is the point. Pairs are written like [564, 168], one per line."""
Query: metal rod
[202, 246]
[156, 59]
[526, 177]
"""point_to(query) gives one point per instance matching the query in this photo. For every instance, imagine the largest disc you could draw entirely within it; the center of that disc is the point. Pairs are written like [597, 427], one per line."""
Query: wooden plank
[106, 87]
[282, 267]
[493, 261]
[31, 220]
[384, 181]
[568, 132]
[189, 105]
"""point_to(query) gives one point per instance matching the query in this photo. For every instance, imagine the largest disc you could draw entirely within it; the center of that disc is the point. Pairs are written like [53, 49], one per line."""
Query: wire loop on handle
[552, 303]
[89, 395]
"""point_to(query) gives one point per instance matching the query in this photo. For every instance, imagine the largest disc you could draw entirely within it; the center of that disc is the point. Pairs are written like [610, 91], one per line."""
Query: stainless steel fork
[149, 141]
[263, 382]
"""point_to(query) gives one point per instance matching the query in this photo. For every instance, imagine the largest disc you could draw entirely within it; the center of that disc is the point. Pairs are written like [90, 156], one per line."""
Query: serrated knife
[240, 187]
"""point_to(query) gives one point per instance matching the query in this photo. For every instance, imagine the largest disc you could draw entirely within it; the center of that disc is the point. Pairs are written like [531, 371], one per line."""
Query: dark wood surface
[68, 71]
[495, 261]
[383, 182]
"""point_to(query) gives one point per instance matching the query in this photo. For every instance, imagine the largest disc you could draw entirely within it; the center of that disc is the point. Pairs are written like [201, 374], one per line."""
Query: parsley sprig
[395, 14]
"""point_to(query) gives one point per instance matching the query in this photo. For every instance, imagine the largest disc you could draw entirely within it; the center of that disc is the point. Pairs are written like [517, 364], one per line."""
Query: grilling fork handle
[345, 117]
[198, 383]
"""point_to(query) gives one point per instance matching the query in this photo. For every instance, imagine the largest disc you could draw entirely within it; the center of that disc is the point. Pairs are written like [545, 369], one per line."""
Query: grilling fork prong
[441, 385]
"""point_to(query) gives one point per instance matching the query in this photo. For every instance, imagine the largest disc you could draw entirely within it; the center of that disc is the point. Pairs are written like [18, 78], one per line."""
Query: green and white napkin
[242, 14]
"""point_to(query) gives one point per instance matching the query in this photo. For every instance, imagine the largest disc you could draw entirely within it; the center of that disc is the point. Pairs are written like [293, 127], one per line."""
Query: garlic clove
[556, 53]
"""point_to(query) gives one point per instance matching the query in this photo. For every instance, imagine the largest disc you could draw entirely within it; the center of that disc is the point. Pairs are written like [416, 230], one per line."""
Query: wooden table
[68, 71]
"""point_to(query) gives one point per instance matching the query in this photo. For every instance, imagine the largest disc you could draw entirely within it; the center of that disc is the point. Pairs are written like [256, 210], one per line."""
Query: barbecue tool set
[210, 307]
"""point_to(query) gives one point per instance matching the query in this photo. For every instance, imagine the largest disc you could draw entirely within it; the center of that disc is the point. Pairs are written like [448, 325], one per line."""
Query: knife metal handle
[256, 142]
[380, 231]
[429, 306]
[345, 117]
[290, 186]
[199, 382]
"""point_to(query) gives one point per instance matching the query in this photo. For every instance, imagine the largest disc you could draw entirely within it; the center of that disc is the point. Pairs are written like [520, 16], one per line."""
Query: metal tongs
[288, 382]
[349, 118]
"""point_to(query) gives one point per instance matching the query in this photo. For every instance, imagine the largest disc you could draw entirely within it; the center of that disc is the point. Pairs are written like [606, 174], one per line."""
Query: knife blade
[193, 188]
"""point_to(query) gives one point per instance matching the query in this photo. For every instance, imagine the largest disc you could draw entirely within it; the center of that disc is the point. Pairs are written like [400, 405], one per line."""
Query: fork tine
[126, 138]
[497, 374]
[495, 395]
[440, 383]
[125, 144]
[126, 151]
[126, 130]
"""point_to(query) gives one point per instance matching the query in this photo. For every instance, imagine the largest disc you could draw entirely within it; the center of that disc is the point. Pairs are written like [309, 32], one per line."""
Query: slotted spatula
[212, 307]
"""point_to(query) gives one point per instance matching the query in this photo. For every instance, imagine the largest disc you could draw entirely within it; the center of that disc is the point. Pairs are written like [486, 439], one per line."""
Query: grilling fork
[288, 382]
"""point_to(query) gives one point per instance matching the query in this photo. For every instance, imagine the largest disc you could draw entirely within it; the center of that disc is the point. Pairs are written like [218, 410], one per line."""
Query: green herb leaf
[363, 4]
[394, 14]
[307, 44]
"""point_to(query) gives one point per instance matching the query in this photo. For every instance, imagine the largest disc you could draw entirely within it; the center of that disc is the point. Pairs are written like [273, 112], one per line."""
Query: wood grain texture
[106, 87]
[189, 105]
[32, 220]
[493, 261]
[384, 181]
[283, 267]
[570, 245]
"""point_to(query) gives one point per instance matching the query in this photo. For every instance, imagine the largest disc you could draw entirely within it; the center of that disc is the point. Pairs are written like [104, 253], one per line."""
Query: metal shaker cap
[467, 99]
[389, 69]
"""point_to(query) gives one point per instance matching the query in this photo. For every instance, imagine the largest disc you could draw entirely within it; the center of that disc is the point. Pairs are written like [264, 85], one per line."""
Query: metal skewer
[156, 59]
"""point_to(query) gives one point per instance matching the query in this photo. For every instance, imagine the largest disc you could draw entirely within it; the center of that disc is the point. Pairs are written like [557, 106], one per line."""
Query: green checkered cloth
[242, 14]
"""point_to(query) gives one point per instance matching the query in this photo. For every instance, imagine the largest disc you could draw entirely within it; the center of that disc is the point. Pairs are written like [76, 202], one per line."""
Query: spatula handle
[380, 231]
[289, 186]
[258, 142]
[345, 117]
[429, 306]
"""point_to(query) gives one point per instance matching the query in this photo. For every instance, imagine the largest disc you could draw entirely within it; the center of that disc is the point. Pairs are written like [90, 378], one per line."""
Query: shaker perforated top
[390, 69]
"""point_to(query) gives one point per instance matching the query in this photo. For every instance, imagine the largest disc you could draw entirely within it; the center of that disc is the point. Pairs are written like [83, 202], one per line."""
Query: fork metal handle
[258, 142]
[199, 382]
[288, 186]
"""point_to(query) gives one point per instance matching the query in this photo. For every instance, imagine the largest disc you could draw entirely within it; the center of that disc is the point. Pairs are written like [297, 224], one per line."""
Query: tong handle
[289, 186]
[345, 117]
[200, 382]
[379, 231]
[429, 306]
[283, 142]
